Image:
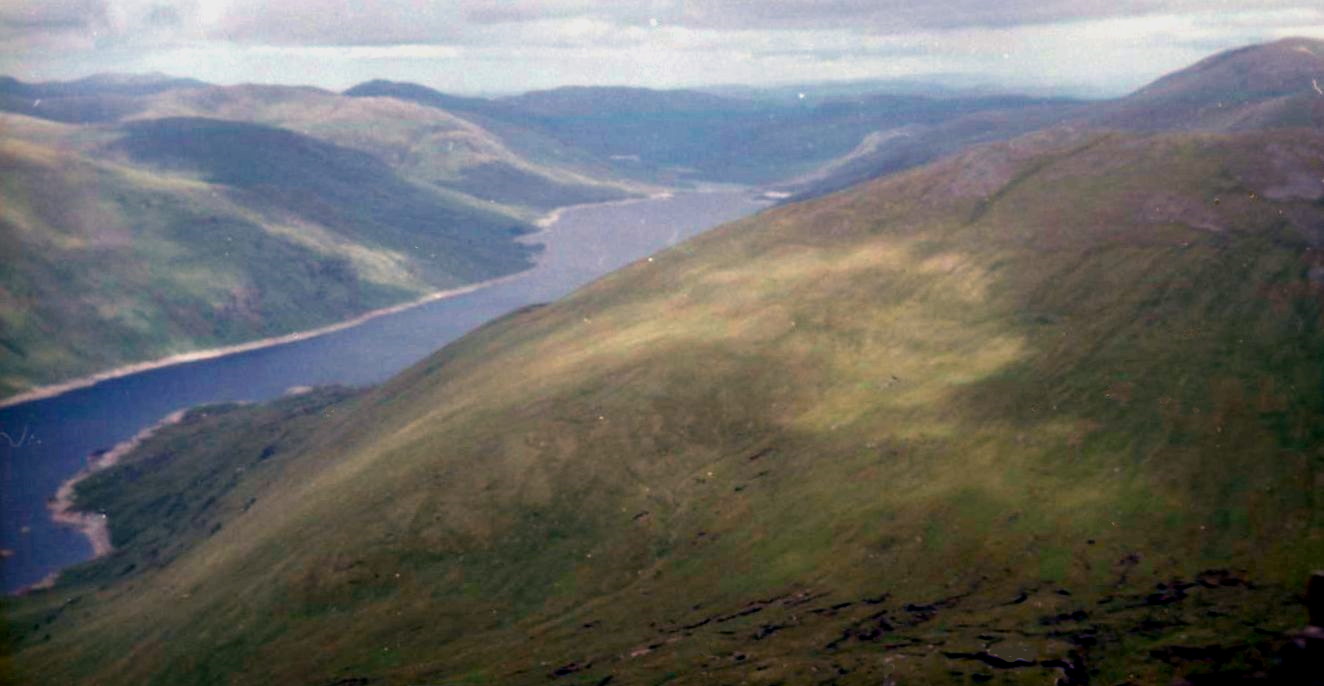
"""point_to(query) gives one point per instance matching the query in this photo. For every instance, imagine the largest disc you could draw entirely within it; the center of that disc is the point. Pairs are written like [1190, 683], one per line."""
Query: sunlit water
[56, 435]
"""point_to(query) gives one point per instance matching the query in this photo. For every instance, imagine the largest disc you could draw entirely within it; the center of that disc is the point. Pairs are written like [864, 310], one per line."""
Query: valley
[1007, 390]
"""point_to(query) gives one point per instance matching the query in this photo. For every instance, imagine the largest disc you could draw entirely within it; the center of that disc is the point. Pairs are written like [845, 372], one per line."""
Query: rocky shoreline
[94, 526]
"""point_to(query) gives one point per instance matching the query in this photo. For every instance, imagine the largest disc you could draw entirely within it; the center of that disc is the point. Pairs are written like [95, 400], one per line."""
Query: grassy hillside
[1048, 411]
[124, 245]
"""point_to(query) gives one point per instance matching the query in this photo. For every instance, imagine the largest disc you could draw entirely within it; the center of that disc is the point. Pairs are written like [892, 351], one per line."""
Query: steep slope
[164, 236]
[1046, 410]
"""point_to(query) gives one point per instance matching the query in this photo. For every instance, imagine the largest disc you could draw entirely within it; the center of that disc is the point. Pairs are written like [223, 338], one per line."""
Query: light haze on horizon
[1086, 47]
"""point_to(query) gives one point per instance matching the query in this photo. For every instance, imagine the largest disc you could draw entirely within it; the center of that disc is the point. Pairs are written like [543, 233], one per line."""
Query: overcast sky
[488, 46]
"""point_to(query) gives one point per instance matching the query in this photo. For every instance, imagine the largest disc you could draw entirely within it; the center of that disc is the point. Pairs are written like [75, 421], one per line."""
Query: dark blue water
[59, 433]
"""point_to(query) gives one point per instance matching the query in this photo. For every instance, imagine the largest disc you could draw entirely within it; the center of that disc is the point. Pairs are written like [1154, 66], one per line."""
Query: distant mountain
[1257, 87]
[815, 92]
[1275, 84]
[748, 136]
[412, 92]
[98, 84]
[98, 98]
[953, 85]
[680, 136]
[611, 101]
[892, 150]
[715, 138]
[1046, 410]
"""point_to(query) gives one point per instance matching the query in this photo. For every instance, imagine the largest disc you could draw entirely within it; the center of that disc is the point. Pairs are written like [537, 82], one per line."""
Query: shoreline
[554, 216]
[94, 526]
[53, 390]
[44, 392]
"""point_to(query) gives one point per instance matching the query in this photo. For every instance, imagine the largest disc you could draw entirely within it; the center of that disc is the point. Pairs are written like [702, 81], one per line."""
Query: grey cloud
[337, 22]
[871, 16]
[471, 22]
[53, 15]
[516, 11]
[164, 15]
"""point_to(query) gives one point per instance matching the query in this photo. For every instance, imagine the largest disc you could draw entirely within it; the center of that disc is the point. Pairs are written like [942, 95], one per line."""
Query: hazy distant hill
[1046, 410]
[1255, 87]
[717, 138]
[613, 101]
[98, 84]
[426, 96]
[679, 135]
[1276, 84]
[99, 98]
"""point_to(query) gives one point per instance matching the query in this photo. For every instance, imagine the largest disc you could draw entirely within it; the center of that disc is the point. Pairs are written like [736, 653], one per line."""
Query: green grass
[863, 437]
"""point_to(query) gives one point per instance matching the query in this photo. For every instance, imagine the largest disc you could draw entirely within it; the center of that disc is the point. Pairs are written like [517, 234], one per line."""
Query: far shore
[547, 220]
[555, 215]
